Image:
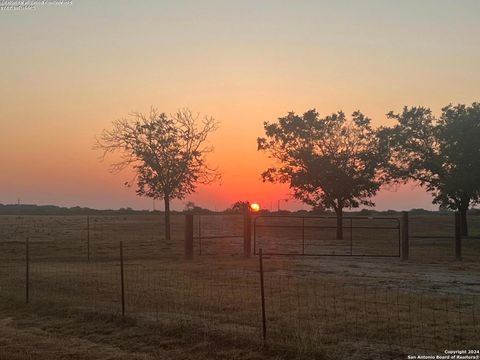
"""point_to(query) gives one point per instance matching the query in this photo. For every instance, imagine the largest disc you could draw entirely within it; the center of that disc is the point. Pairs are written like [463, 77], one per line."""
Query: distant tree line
[52, 210]
[32, 209]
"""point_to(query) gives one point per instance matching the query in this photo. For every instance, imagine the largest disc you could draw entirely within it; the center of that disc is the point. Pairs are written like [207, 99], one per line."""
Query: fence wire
[301, 311]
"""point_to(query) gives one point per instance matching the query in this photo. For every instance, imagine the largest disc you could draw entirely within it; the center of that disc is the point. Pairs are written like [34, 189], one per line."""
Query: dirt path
[411, 275]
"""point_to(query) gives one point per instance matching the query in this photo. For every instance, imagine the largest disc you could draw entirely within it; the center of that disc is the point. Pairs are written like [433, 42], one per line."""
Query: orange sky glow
[67, 72]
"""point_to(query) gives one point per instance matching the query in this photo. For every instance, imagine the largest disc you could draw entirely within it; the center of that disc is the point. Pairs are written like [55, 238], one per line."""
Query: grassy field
[316, 307]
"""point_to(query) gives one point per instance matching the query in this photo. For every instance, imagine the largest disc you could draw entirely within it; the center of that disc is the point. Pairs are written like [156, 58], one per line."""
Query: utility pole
[278, 203]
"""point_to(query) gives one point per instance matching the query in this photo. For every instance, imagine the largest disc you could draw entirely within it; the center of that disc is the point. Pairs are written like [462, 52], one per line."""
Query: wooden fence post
[405, 238]
[458, 236]
[247, 233]
[199, 234]
[262, 295]
[189, 236]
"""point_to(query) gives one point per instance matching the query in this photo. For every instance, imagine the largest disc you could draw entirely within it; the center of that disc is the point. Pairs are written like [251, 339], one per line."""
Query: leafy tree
[240, 206]
[191, 207]
[329, 163]
[442, 154]
[167, 153]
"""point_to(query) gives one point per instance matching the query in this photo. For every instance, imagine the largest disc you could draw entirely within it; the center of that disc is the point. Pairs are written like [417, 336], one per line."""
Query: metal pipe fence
[286, 235]
[210, 229]
[97, 236]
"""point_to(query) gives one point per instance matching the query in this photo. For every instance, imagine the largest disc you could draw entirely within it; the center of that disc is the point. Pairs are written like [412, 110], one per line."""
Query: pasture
[372, 305]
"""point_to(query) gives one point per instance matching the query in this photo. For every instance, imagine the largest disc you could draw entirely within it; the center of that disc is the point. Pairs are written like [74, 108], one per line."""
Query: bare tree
[167, 153]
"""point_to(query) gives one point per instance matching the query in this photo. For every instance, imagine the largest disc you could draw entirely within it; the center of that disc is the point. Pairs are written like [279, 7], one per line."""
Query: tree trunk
[167, 218]
[463, 222]
[339, 213]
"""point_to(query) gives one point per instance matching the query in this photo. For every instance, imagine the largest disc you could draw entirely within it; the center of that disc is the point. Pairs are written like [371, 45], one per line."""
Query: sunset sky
[67, 72]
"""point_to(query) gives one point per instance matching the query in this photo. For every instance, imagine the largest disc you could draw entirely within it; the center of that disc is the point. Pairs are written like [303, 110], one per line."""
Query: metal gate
[218, 233]
[316, 236]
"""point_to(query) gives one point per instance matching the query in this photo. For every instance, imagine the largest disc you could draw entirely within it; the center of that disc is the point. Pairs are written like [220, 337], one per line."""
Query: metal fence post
[262, 294]
[458, 236]
[27, 271]
[88, 238]
[122, 278]
[189, 236]
[405, 238]
[247, 233]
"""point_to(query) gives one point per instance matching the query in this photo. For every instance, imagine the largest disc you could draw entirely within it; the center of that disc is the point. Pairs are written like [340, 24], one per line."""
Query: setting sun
[255, 207]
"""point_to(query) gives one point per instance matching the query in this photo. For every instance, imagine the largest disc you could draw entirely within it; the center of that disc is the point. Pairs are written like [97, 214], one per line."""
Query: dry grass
[45, 332]
[317, 307]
